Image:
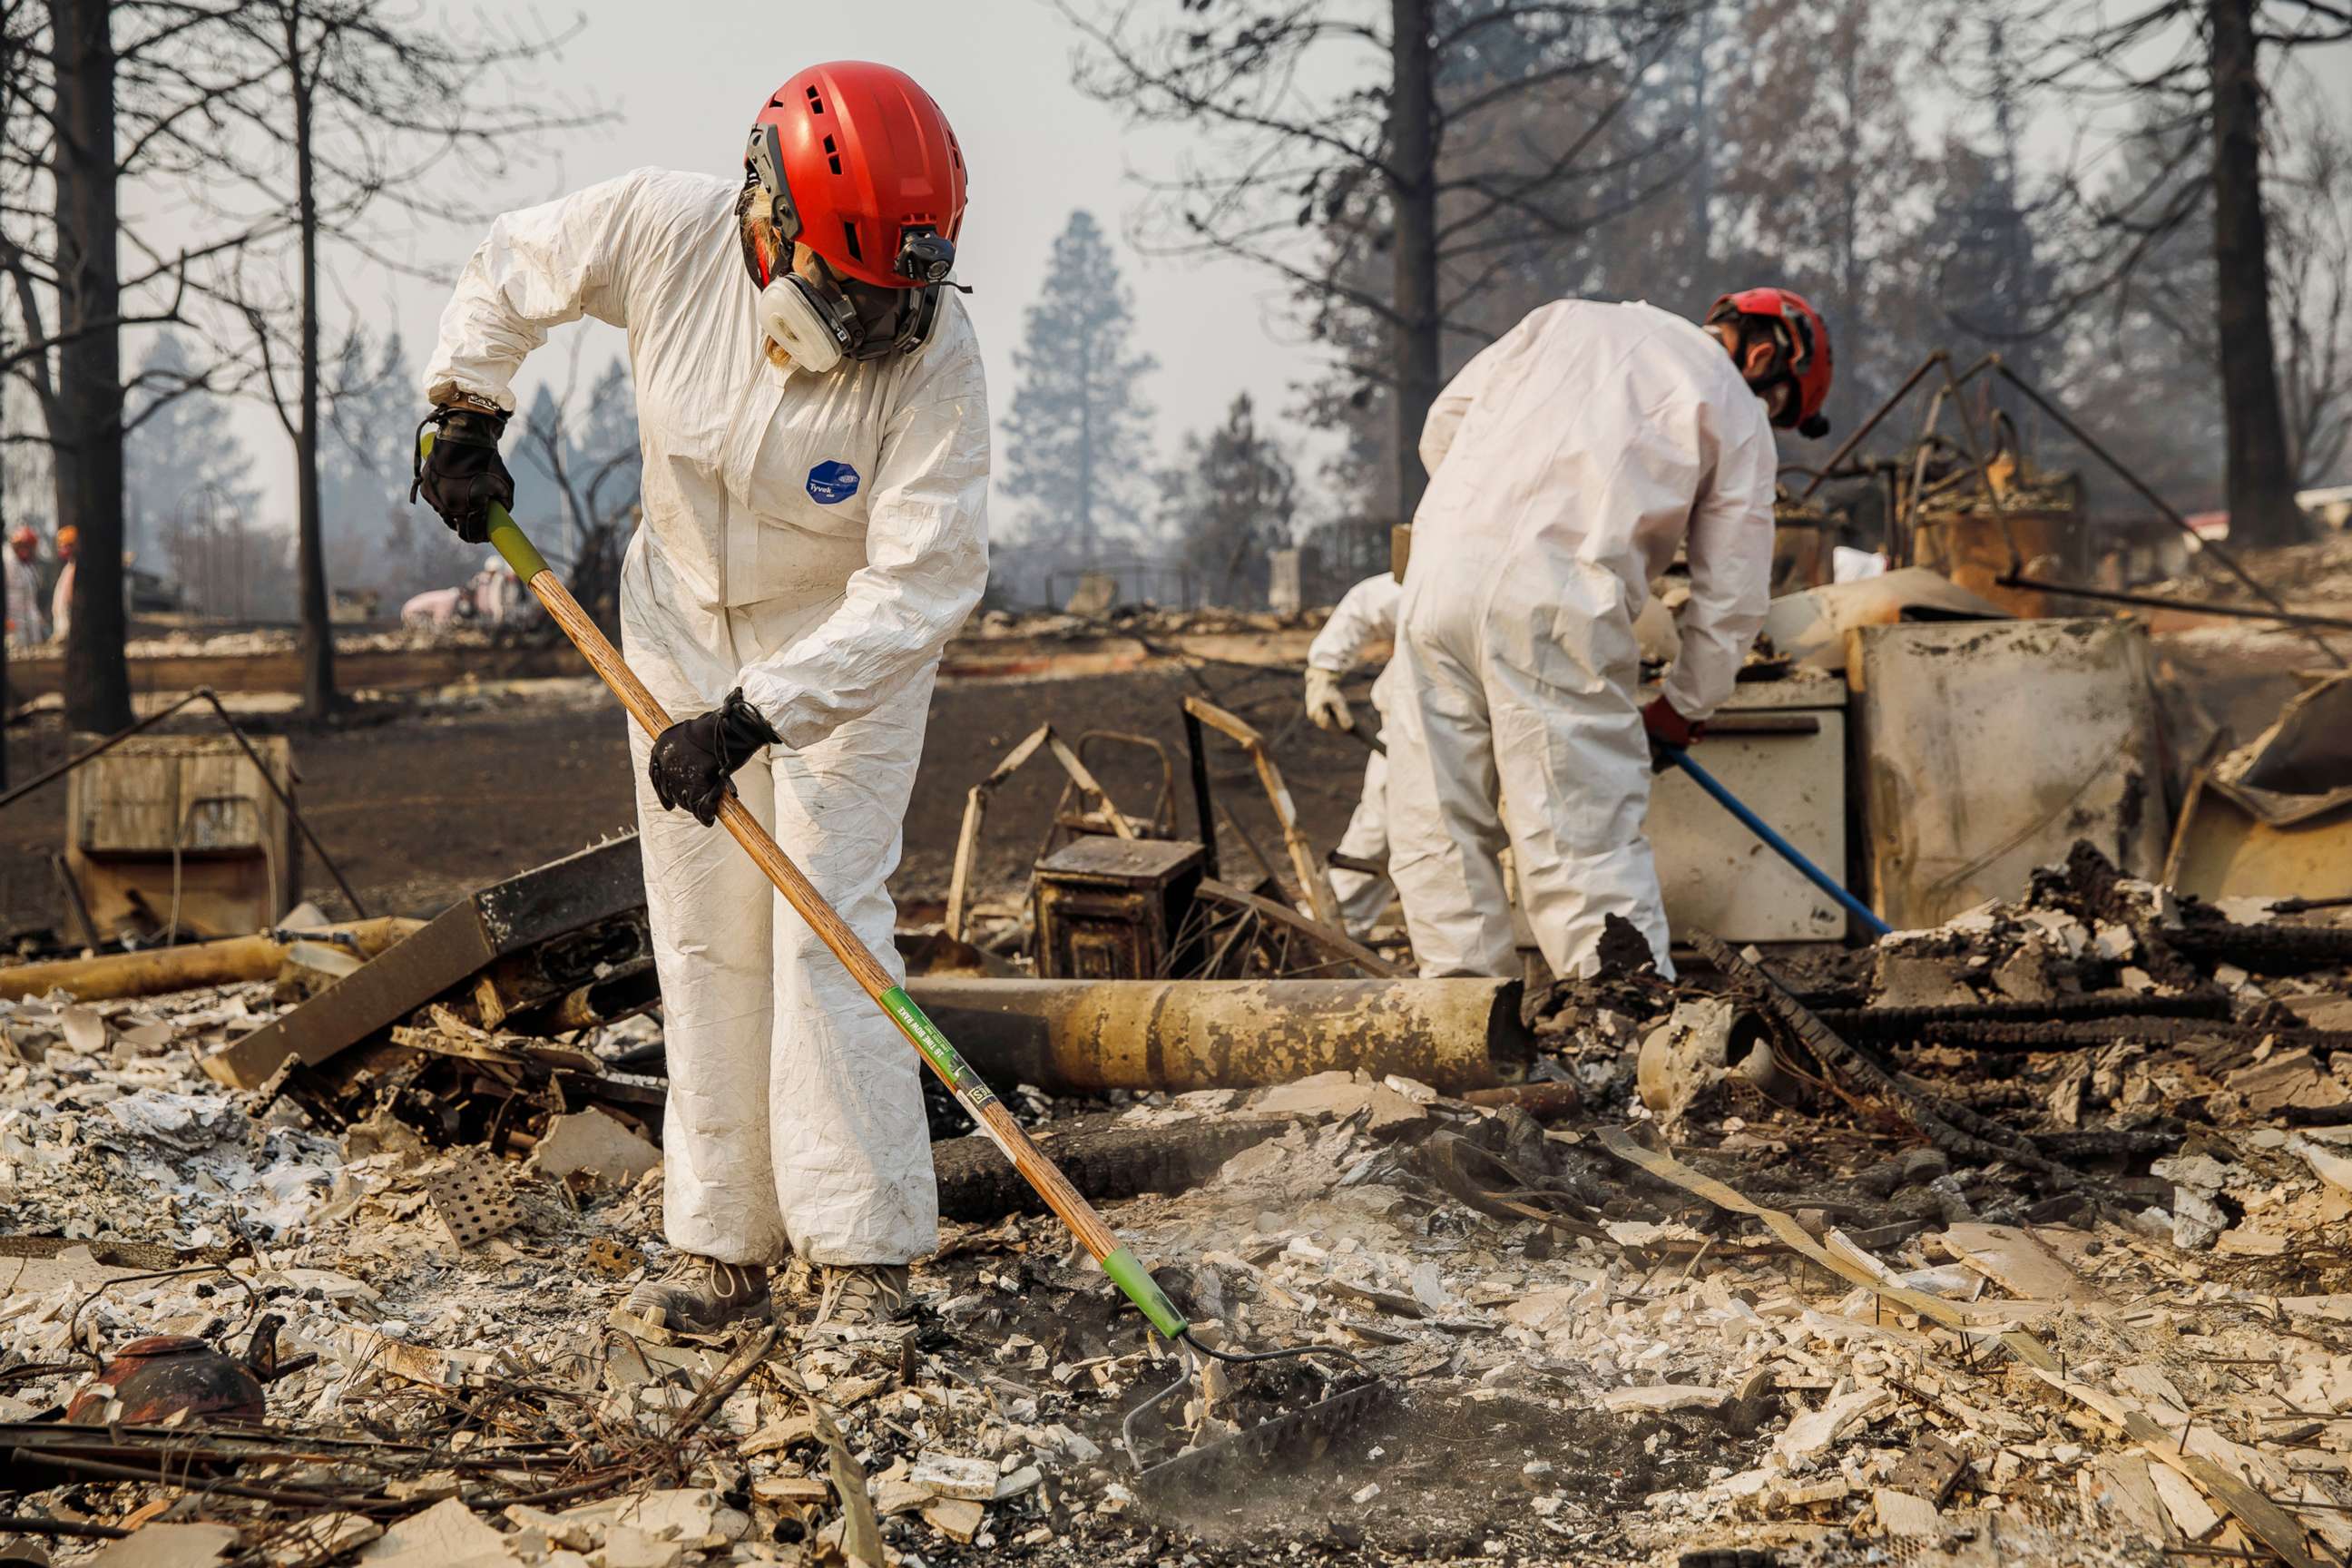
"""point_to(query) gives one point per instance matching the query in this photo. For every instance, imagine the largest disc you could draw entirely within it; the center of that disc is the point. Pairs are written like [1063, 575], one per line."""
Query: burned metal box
[1113, 909]
[1779, 745]
[181, 833]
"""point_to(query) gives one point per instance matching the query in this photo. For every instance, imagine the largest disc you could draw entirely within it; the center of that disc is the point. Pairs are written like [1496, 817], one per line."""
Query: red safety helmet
[1806, 338]
[861, 167]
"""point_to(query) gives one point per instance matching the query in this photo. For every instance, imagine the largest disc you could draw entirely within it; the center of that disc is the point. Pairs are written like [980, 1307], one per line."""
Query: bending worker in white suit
[1365, 615]
[1567, 462]
[815, 435]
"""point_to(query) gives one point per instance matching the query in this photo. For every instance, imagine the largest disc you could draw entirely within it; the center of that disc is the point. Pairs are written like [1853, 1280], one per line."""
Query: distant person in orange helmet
[61, 597]
[28, 621]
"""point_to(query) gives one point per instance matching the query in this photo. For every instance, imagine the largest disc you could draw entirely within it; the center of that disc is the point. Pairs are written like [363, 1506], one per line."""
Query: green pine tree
[1079, 433]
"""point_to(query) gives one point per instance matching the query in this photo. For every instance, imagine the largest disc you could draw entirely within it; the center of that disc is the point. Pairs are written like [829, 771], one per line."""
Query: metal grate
[472, 1200]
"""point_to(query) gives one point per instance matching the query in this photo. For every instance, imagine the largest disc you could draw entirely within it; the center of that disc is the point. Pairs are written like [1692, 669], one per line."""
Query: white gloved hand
[1326, 707]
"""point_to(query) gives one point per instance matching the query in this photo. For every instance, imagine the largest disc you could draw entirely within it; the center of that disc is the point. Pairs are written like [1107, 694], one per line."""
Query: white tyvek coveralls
[816, 539]
[1366, 614]
[1566, 462]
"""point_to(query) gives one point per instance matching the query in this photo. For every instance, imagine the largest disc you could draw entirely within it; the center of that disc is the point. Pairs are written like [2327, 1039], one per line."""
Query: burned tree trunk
[316, 640]
[2261, 484]
[1413, 149]
[86, 437]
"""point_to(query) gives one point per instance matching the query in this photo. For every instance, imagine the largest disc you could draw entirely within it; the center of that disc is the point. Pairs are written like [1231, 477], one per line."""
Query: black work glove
[694, 758]
[464, 473]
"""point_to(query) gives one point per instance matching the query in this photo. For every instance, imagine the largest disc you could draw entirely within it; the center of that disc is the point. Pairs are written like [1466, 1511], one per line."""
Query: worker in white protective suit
[816, 458]
[1365, 615]
[28, 627]
[1567, 462]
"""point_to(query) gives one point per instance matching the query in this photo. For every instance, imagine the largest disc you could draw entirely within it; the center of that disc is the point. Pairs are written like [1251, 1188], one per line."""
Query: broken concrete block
[2288, 1079]
[1665, 1396]
[445, 1535]
[2197, 1219]
[1337, 1095]
[779, 1434]
[958, 1518]
[1072, 1446]
[570, 1533]
[1542, 1310]
[2012, 1257]
[2191, 1514]
[1811, 1432]
[2024, 974]
[593, 1144]
[1900, 1513]
[897, 1494]
[1913, 980]
[950, 1475]
[168, 1546]
[2326, 1163]
[691, 1514]
[627, 1547]
[2325, 1012]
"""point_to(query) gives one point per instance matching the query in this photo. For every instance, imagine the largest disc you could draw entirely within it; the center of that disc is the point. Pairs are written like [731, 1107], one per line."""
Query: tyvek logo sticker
[832, 483]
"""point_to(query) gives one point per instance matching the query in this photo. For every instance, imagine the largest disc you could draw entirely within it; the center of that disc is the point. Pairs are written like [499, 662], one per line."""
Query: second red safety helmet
[1807, 338]
[865, 170]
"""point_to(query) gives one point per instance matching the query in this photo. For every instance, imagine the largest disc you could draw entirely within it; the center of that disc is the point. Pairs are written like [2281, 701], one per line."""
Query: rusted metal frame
[2169, 513]
[1898, 545]
[1983, 461]
[1162, 817]
[975, 810]
[1241, 925]
[1204, 813]
[1909, 520]
[1862, 432]
[2160, 602]
[1087, 787]
[1314, 882]
[1328, 936]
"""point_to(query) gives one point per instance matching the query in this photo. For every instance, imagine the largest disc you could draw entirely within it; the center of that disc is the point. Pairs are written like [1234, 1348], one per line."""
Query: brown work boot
[856, 1301]
[699, 1295]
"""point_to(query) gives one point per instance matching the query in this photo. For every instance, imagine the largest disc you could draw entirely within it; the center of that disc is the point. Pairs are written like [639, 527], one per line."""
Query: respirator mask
[823, 320]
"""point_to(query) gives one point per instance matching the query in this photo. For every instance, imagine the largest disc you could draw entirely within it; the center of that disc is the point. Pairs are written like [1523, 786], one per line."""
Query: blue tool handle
[1780, 846]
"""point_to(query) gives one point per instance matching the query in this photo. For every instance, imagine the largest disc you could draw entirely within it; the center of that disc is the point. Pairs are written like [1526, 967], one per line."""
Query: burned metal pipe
[1086, 1035]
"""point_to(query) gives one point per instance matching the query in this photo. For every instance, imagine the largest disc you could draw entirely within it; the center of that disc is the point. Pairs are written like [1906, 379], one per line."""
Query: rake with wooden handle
[1118, 1261]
